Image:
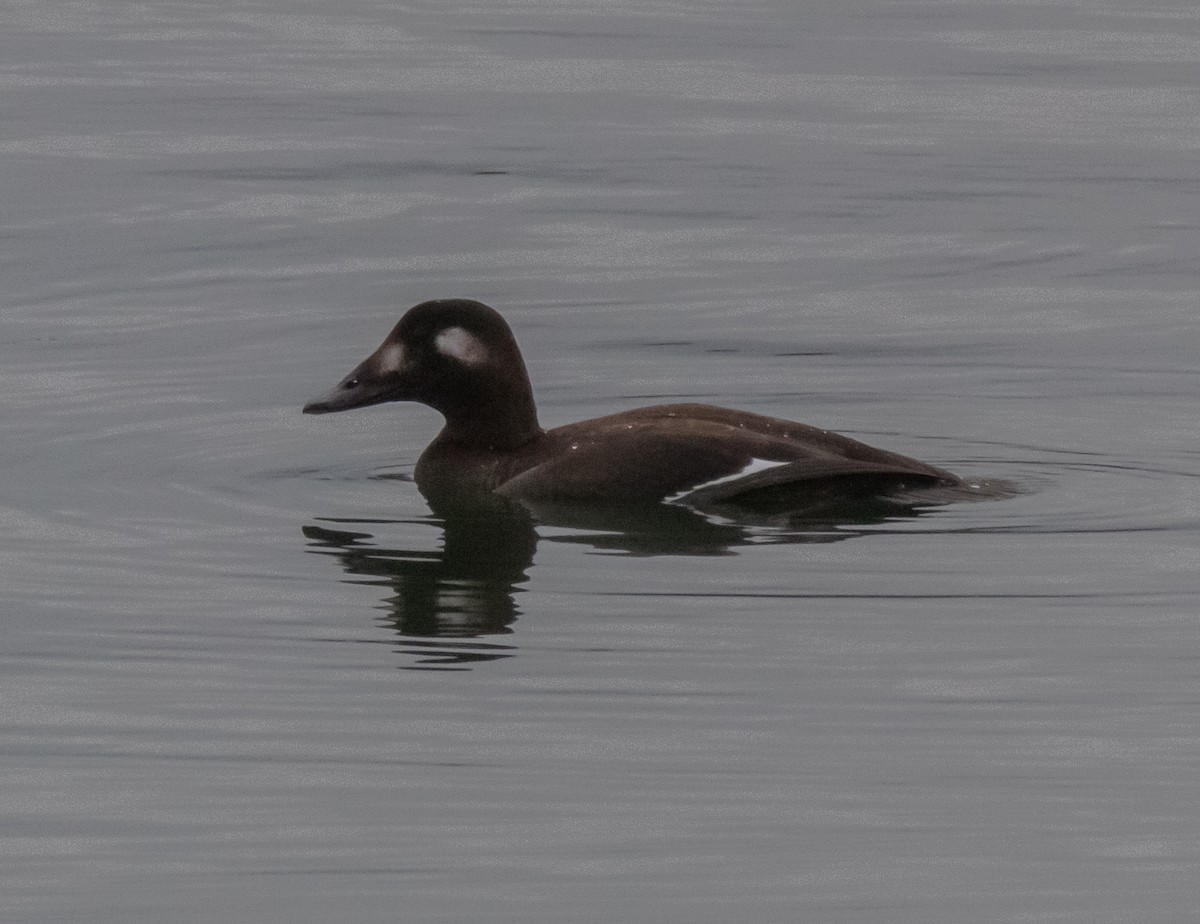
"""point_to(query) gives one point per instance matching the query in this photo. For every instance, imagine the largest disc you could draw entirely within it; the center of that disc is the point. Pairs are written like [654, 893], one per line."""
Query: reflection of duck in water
[444, 604]
[459, 357]
[465, 590]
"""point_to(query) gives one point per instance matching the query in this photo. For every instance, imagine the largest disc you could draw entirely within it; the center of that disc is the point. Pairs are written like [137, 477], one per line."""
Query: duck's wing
[811, 484]
[699, 455]
[620, 465]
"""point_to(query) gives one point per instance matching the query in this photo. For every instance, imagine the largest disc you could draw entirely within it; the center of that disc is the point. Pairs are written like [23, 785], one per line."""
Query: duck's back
[671, 452]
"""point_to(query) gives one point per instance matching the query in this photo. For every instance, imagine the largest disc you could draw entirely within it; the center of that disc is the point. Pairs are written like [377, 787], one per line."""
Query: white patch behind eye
[460, 344]
[391, 358]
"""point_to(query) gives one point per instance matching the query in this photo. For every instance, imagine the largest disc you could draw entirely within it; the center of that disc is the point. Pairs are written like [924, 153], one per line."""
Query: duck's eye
[350, 383]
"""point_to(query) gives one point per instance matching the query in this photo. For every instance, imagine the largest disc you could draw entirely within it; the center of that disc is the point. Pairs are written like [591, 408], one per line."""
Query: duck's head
[457, 356]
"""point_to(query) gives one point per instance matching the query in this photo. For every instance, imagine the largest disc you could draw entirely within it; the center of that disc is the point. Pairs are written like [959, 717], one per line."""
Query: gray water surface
[249, 675]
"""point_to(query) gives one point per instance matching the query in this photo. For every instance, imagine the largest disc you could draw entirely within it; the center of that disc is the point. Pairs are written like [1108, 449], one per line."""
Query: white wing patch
[460, 344]
[753, 467]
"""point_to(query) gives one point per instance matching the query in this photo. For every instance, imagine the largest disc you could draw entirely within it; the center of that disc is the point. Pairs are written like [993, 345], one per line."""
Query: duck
[459, 357]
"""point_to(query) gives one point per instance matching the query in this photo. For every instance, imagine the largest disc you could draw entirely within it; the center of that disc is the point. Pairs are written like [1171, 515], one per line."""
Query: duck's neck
[493, 419]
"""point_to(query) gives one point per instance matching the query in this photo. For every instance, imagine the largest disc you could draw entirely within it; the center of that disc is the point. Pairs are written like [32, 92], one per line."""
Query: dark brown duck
[460, 358]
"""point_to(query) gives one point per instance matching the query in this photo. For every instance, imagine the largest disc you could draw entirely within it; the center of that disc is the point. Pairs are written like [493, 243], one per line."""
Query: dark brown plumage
[459, 357]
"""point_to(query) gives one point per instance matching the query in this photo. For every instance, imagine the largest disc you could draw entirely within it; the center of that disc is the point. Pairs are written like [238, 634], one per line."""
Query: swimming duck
[460, 358]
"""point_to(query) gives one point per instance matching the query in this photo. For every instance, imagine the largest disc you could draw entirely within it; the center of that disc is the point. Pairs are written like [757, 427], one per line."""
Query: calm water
[246, 675]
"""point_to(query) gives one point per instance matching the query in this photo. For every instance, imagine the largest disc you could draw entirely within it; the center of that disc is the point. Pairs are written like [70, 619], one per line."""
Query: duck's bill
[328, 404]
[355, 390]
